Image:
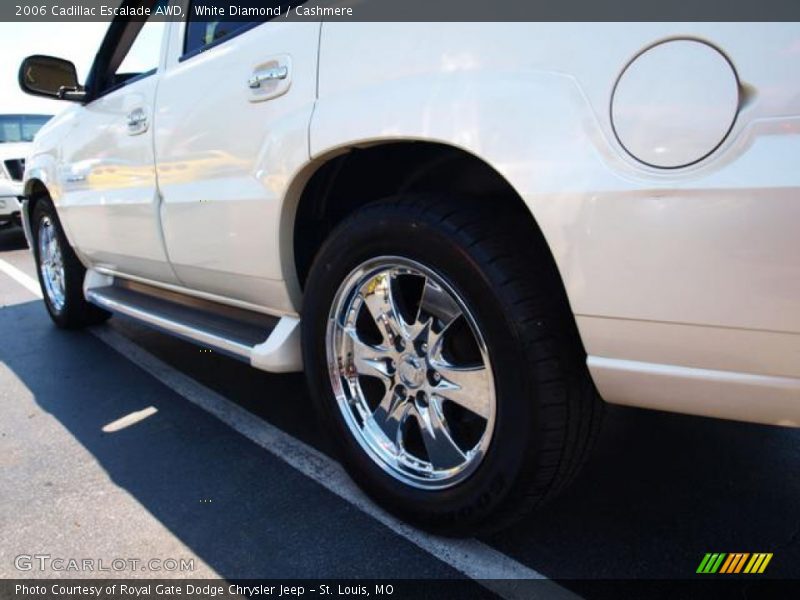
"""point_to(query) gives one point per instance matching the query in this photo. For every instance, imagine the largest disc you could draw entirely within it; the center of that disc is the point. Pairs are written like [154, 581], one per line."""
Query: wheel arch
[41, 181]
[35, 190]
[532, 133]
[345, 178]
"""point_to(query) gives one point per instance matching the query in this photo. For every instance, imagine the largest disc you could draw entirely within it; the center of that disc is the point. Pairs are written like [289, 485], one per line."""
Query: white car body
[684, 277]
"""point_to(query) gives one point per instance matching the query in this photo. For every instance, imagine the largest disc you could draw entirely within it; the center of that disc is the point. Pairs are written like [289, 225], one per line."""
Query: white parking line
[489, 567]
[25, 280]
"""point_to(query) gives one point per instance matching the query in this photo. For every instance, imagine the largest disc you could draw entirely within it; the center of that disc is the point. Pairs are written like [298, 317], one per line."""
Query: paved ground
[659, 492]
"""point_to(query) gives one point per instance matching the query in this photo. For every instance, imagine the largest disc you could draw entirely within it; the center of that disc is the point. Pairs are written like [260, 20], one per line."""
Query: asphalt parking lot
[100, 458]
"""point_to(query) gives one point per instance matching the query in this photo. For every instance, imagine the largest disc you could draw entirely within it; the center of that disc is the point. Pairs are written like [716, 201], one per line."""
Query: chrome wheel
[411, 372]
[51, 263]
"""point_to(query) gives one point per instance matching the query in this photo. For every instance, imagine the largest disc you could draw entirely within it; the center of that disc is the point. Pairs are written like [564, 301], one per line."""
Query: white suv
[466, 234]
[16, 135]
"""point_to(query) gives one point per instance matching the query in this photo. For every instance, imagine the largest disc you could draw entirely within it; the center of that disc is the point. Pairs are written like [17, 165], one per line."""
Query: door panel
[108, 174]
[110, 199]
[226, 158]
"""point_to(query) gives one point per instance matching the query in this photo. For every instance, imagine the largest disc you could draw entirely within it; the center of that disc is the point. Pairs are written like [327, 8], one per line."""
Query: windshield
[20, 128]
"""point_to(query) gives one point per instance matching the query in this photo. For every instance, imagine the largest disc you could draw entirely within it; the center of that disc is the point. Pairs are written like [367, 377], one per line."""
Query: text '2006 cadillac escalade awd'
[466, 240]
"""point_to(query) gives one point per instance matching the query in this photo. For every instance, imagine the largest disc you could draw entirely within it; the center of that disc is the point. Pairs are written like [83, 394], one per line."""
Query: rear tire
[60, 272]
[545, 411]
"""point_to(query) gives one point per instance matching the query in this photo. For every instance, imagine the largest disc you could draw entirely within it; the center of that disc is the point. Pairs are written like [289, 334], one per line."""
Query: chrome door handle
[274, 74]
[137, 119]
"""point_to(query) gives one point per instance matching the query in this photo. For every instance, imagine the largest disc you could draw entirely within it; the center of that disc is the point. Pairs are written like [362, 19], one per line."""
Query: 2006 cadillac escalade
[465, 234]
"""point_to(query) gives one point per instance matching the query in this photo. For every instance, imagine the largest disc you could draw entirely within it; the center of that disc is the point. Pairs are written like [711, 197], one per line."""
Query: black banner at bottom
[393, 589]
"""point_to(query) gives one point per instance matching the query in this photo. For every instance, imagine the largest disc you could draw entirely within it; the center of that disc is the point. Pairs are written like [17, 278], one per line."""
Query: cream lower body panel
[719, 372]
[721, 394]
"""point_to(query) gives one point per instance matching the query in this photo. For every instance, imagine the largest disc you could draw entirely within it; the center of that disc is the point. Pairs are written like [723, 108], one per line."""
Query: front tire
[443, 358]
[60, 272]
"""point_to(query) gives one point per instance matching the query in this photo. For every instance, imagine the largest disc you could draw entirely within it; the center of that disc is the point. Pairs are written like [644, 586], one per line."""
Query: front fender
[41, 172]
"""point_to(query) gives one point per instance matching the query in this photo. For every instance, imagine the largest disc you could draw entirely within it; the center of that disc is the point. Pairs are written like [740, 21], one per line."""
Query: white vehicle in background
[466, 234]
[16, 135]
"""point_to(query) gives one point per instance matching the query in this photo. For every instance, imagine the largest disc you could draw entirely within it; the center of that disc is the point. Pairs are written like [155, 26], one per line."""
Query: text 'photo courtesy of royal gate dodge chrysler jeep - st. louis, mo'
[469, 242]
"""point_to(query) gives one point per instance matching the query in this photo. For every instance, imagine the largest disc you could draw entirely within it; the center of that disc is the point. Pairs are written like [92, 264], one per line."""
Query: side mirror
[51, 77]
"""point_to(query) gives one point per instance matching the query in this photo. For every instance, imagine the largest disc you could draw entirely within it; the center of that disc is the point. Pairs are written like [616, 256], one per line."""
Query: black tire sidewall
[73, 269]
[393, 233]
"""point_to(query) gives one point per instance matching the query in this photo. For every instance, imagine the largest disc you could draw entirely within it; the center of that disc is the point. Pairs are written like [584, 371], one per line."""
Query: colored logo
[736, 562]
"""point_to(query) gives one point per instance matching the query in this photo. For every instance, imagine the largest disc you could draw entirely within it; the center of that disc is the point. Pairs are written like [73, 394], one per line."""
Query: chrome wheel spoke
[466, 386]
[391, 414]
[443, 452]
[439, 304]
[367, 359]
[378, 297]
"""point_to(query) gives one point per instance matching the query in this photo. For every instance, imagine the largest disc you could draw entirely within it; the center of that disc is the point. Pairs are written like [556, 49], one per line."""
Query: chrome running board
[266, 342]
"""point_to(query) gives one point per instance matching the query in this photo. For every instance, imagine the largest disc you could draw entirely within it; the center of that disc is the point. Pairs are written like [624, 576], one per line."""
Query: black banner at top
[402, 10]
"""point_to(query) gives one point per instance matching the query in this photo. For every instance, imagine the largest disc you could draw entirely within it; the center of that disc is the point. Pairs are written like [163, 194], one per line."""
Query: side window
[144, 54]
[130, 49]
[200, 33]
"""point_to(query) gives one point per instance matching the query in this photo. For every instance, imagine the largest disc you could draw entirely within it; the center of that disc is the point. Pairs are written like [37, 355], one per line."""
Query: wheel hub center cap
[411, 372]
